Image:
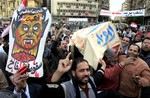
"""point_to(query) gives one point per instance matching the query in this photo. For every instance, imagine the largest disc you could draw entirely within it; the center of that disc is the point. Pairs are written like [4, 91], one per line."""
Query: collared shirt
[86, 90]
[26, 91]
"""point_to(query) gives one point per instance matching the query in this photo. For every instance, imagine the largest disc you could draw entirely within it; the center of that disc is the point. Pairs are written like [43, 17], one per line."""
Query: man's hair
[65, 37]
[76, 62]
[148, 38]
[127, 37]
[109, 52]
[126, 28]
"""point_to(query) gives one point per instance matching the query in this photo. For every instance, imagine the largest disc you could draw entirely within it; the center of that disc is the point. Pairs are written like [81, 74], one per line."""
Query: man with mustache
[82, 85]
[134, 76]
[145, 55]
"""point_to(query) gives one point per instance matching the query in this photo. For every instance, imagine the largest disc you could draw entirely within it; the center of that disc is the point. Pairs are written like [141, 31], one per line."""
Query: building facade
[104, 6]
[7, 8]
[65, 9]
[125, 6]
[141, 4]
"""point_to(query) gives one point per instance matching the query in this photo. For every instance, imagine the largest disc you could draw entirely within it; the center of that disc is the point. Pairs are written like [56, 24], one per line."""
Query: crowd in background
[123, 74]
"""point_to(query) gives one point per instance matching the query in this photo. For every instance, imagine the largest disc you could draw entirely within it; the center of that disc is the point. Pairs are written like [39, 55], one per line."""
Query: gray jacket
[70, 91]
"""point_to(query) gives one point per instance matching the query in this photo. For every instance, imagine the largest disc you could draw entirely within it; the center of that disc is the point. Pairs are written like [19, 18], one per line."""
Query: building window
[68, 6]
[58, 10]
[64, 13]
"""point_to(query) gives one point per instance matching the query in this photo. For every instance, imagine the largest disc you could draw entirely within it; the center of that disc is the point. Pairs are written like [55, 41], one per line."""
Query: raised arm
[63, 67]
[98, 76]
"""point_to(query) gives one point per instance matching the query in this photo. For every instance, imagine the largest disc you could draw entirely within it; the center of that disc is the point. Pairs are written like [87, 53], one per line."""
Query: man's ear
[73, 73]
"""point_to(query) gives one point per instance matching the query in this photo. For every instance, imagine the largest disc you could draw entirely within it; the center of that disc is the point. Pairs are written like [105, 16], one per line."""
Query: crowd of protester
[122, 74]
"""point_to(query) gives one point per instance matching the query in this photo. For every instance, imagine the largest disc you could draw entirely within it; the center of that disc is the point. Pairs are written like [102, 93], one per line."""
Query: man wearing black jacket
[145, 55]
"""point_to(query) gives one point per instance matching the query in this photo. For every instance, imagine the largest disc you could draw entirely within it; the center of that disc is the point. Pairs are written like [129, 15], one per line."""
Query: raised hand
[65, 64]
[102, 62]
[19, 80]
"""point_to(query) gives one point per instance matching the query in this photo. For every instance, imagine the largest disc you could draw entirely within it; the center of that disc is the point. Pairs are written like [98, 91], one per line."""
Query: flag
[133, 24]
[22, 6]
[93, 41]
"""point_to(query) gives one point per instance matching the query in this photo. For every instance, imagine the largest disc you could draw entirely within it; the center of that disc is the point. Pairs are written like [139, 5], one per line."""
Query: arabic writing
[15, 65]
[134, 13]
[106, 36]
[124, 13]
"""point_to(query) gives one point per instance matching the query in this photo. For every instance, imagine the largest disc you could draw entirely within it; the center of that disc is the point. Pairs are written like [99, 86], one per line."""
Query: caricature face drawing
[27, 37]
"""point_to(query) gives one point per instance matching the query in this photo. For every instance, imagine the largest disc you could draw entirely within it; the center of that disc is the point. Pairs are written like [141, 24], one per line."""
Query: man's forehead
[146, 40]
[82, 64]
[63, 42]
[133, 47]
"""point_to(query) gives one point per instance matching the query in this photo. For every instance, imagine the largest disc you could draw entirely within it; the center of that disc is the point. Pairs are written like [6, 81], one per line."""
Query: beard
[82, 81]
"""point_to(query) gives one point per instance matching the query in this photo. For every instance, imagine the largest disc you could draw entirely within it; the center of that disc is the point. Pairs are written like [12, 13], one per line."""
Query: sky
[115, 5]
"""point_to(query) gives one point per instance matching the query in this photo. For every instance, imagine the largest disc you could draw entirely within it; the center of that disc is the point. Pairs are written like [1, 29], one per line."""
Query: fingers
[70, 62]
[137, 80]
[66, 62]
[131, 58]
[68, 56]
[17, 78]
[101, 61]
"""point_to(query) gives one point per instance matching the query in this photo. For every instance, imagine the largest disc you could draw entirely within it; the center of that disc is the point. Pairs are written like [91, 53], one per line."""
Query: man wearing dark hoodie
[145, 55]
